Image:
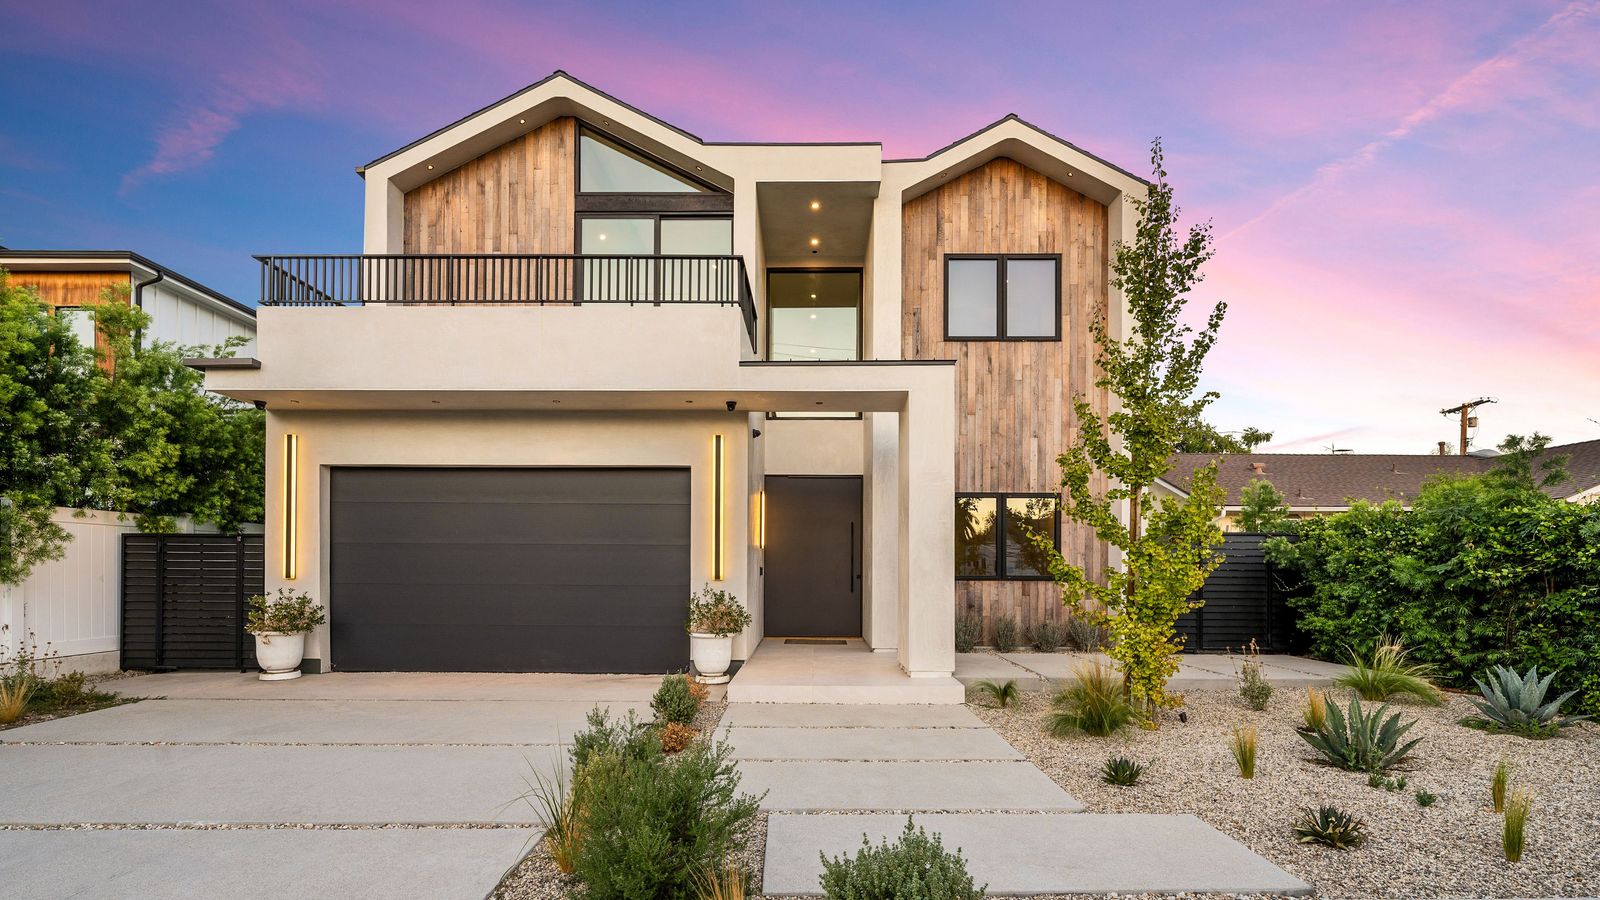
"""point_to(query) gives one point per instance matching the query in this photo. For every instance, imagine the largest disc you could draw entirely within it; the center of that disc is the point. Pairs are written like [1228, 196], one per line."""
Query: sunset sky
[1406, 197]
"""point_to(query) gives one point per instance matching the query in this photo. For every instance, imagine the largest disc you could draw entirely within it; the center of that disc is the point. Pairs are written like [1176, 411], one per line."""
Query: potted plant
[715, 616]
[280, 624]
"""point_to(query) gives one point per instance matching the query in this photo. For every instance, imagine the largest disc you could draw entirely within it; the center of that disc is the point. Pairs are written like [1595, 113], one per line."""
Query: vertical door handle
[850, 573]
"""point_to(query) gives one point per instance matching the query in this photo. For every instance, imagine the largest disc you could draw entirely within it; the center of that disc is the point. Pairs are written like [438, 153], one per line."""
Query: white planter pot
[279, 655]
[711, 653]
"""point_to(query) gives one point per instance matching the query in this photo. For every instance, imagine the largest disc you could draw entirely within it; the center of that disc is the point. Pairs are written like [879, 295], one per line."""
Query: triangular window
[605, 167]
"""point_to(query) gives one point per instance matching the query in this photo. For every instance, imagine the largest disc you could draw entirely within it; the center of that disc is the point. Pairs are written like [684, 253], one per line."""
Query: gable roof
[1013, 117]
[69, 260]
[560, 74]
[1332, 480]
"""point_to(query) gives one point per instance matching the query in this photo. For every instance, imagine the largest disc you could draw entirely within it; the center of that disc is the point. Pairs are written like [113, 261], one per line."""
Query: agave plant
[1362, 742]
[1330, 826]
[1516, 702]
[1122, 771]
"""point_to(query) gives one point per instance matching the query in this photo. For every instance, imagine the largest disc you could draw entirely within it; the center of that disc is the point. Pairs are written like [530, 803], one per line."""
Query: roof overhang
[1016, 139]
[137, 267]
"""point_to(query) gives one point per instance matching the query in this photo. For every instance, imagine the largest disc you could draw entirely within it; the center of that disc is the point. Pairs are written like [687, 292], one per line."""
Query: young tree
[1524, 466]
[1262, 507]
[181, 451]
[1152, 374]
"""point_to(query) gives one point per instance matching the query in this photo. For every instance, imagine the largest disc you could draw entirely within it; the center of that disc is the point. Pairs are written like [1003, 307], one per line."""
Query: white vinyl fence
[70, 607]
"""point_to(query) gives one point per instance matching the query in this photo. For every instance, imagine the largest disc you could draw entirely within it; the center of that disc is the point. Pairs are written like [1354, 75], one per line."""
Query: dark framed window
[613, 177]
[993, 536]
[1002, 297]
[656, 234]
[814, 314]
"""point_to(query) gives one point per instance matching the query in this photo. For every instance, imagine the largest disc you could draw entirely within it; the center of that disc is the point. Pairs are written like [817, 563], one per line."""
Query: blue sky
[1404, 194]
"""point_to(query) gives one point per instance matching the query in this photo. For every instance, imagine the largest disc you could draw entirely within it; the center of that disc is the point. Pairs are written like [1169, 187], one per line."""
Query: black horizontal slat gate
[183, 599]
[1241, 602]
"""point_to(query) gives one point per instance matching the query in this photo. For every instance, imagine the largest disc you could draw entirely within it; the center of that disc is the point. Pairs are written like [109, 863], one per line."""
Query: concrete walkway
[833, 773]
[331, 786]
[1196, 671]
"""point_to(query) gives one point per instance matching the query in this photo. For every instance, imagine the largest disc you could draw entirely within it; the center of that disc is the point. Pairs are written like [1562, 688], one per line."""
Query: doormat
[814, 641]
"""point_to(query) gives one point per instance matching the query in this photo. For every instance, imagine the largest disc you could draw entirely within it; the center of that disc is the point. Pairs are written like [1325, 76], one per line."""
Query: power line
[1468, 420]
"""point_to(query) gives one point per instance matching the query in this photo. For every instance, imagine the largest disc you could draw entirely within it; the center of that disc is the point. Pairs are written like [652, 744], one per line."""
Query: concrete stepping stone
[325, 722]
[868, 743]
[134, 783]
[820, 786]
[841, 715]
[257, 864]
[1037, 854]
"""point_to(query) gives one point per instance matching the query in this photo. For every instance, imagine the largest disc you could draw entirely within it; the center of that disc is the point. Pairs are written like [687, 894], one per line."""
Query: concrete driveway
[342, 785]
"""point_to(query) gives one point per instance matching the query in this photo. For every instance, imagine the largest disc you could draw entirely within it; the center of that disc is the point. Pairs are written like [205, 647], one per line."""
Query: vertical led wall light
[291, 504]
[716, 508]
[761, 519]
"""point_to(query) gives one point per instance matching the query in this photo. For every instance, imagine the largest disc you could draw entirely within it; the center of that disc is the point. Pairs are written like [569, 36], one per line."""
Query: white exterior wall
[813, 446]
[511, 439]
[71, 607]
[180, 317]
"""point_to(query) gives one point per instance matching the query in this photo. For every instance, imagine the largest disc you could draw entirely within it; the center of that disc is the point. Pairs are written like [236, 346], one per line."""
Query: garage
[508, 570]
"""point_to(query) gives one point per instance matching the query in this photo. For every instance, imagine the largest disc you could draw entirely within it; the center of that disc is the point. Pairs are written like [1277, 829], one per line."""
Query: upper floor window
[1015, 297]
[994, 535]
[81, 321]
[606, 167]
[814, 314]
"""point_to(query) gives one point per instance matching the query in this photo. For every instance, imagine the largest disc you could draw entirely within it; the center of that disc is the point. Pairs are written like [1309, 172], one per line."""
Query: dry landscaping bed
[1451, 849]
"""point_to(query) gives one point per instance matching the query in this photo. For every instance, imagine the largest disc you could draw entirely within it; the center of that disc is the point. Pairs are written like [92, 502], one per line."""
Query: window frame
[1002, 514]
[861, 343]
[1001, 318]
[710, 201]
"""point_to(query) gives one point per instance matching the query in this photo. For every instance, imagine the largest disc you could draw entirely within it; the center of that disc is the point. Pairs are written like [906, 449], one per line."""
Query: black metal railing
[505, 279]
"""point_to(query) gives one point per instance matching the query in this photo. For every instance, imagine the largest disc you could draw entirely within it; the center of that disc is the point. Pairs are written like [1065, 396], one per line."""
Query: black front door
[813, 568]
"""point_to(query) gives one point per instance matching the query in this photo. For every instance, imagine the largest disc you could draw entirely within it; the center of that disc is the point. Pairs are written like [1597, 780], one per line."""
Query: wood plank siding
[69, 288]
[1014, 404]
[517, 198]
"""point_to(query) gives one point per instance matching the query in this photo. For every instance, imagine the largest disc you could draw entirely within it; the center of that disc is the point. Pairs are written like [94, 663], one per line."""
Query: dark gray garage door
[509, 570]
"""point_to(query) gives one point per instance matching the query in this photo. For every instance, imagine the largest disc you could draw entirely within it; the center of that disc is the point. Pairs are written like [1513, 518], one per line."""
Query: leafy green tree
[1200, 437]
[1262, 507]
[1525, 466]
[181, 451]
[1153, 376]
[50, 452]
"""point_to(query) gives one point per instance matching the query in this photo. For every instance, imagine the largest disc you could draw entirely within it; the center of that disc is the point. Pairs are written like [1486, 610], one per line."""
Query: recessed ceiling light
[522, 121]
[813, 315]
[816, 205]
[813, 296]
[816, 241]
[602, 237]
[430, 167]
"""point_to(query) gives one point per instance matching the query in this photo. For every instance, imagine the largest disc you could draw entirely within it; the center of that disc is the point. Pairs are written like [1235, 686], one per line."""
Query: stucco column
[927, 604]
[880, 556]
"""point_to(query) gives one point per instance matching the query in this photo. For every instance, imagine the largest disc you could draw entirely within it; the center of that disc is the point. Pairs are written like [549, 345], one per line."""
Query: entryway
[812, 586]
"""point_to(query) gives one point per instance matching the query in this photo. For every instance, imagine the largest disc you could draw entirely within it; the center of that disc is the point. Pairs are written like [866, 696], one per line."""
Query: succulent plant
[1122, 771]
[1330, 826]
[1517, 702]
[1361, 742]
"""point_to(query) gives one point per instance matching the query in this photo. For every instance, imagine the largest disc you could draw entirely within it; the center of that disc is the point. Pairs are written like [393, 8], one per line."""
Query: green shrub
[1384, 782]
[675, 701]
[653, 825]
[1094, 702]
[969, 631]
[1361, 742]
[1002, 695]
[1481, 572]
[1331, 827]
[1254, 688]
[1047, 636]
[1005, 634]
[1086, 634]
[1516, 703]
[626, 737]
[1425, 798]
[1121, 771]
[1386, 674]
[285, 613]
[715, 611]
[916, 867]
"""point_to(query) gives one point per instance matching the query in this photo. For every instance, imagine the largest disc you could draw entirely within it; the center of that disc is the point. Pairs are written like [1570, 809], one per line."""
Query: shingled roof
[1332, 480]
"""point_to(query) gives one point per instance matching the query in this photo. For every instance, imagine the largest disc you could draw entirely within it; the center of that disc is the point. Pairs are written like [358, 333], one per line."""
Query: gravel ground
[1451, 849]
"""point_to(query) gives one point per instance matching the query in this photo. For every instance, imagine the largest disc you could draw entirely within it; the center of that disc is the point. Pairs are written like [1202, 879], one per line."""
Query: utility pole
[1468, 420]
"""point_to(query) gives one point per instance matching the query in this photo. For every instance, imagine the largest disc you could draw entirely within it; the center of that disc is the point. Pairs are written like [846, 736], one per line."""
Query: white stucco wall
[517, 439]
[813, 446]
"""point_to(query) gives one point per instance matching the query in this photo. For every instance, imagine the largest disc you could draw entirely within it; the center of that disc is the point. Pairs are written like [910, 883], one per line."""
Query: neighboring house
[182, 311]
[590, 362]
[1321, 483]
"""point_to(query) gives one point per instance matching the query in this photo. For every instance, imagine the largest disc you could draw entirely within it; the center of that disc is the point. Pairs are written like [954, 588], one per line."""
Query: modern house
[1322, 483]
[590, 362]
[182, 311]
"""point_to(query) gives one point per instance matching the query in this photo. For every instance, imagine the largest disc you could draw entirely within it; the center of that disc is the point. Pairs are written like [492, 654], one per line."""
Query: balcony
[507, 280]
